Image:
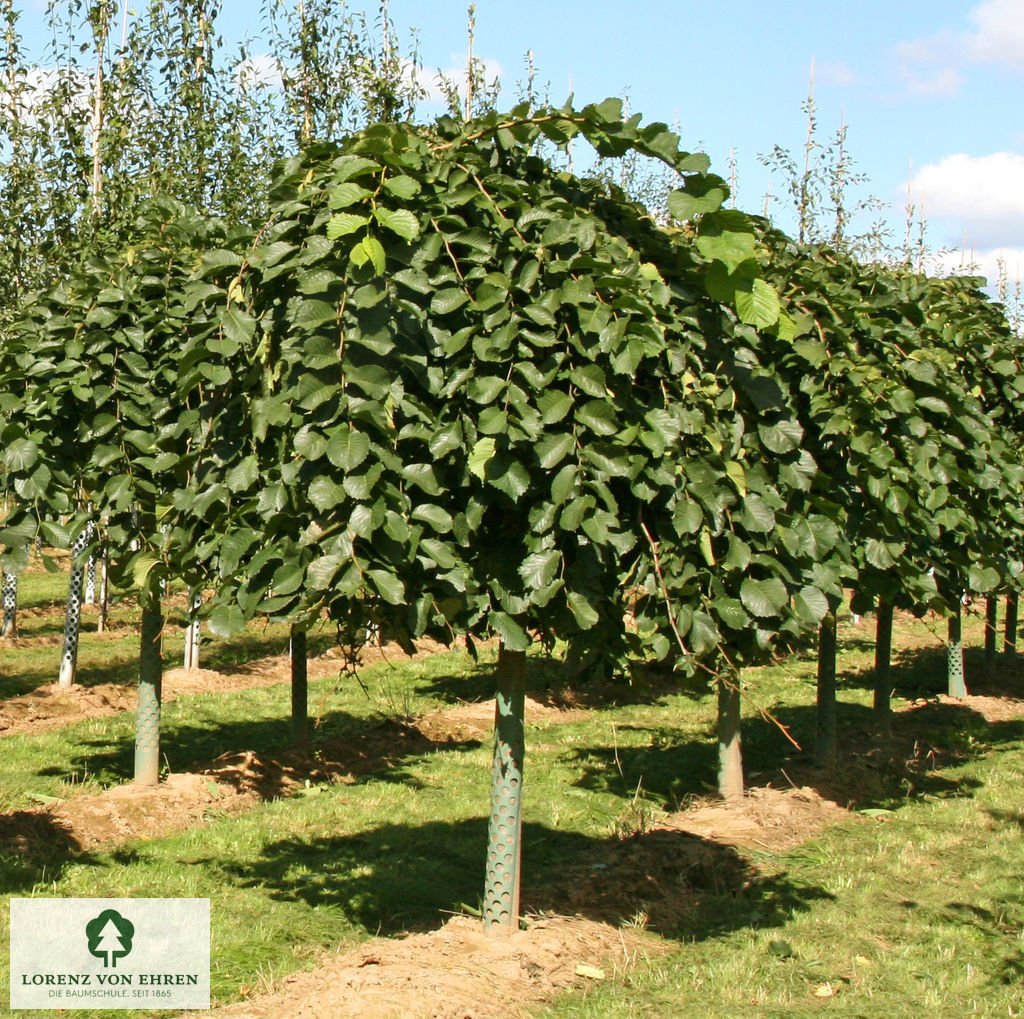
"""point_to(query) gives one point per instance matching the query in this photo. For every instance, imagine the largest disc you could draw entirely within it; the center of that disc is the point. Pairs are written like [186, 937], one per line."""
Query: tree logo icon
[110, 936]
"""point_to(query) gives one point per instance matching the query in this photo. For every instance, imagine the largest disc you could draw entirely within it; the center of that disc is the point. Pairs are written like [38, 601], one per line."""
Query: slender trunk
[883, 661]
[825, 729]
[1010, 626]
[9, 627]
[97, 115]
[505, 825]
[300, 697]
[73, 615]
[991, 608]
[147, 736]
[956, 686]
[730, 750]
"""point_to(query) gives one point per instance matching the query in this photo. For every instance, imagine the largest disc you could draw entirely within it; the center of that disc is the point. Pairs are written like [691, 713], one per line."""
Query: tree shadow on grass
[260, 756]
[400, 877]
[923, 672]
[35, 848]
[871, 770]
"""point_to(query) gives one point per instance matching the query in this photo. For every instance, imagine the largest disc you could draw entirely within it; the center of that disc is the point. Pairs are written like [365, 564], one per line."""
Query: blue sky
[935, 83]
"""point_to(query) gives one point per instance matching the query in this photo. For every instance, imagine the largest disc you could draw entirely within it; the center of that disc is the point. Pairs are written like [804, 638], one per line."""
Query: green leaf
[438, 518]
[763, 598]
[539, 569]
[347, 448]
[399, 221]
[513, 636]
[369, 249]
[344, 195]
[731, 612]
[20, 454]
[343, 223]
[446, 301]
[226, 620]
[810, 605]
[348, 167]
[585, 614]
[553, 449]
[759, 306]
[388, 586]
[727, 236]
[481, 456]
[699, 195]
[402, 187]
[325, 494]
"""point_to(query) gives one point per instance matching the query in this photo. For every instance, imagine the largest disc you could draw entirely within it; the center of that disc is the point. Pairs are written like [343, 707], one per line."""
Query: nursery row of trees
[439, 385]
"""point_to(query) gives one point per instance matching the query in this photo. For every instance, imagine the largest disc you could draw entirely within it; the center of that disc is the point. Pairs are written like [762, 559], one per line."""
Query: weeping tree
[462, 393]
[915, 461]
[96, 361]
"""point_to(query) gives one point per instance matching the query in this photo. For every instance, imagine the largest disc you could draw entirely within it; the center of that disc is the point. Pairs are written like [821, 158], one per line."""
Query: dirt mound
[766, 818]
[50, 707]
[475, 721]
[452, 973]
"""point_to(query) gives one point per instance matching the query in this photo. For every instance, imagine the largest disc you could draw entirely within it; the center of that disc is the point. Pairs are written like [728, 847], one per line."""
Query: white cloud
[932, 65]
[998, 36]
[982, 195]
[994, 264]
[836, 74]
[945, 81]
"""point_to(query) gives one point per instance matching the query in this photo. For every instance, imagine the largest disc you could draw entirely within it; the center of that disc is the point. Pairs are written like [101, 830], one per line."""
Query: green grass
[915, 911]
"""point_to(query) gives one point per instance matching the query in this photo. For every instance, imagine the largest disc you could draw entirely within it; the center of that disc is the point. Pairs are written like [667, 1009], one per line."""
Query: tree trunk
[825, 729]
[991, 608]
[1010, 626]
[956, 685]
[505, 826]
[300, 697]
[883, 660]
[147, 735]
[730, 750]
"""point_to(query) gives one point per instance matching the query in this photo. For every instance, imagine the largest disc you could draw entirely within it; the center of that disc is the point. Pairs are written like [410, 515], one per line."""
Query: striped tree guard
[73, 616]
[9, 626]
